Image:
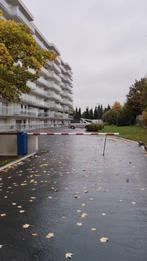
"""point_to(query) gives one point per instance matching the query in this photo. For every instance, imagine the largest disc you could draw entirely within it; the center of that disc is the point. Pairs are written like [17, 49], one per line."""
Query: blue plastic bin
[22, 143]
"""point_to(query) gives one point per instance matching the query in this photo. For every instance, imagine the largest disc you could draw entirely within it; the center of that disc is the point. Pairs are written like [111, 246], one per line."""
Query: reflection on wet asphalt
[71, 202]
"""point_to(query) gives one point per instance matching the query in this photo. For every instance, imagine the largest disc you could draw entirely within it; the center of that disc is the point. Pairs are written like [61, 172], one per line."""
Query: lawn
[5, 160]
[136, 133]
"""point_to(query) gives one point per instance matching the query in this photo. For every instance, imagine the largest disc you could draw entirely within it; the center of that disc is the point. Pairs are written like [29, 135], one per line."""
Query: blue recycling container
[22, 143]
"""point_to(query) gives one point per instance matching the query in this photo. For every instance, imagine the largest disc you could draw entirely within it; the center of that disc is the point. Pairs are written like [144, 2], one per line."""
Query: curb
[9, 165]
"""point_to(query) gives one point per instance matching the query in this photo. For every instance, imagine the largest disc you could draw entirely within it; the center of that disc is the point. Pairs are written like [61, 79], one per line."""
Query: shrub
[94, 127]
[111, 116]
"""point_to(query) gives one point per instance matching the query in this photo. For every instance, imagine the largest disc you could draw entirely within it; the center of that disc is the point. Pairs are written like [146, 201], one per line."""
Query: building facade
[49, 103]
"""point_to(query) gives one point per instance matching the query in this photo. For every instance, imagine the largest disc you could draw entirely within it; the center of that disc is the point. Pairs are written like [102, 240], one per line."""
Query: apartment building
[49, 103]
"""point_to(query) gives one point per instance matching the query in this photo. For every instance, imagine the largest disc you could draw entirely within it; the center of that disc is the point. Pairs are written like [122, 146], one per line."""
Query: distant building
[50, 101]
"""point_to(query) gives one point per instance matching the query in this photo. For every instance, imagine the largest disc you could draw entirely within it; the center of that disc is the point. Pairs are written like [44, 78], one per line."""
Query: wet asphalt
[68, 197]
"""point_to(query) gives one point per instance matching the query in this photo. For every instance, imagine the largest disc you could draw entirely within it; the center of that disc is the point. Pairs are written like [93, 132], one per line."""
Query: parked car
[77, 125]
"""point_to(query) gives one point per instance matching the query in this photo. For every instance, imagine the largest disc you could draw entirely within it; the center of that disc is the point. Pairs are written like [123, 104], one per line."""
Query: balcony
[50, 75]
[32, 100]
[43, 82]
[16, 13]
[66, 94]
[56, 77]
[58, 107]
[65, 116]
[39, 42]
[56, 68]
[59, 115]
[5, 6]
[51, 105]
[36, 90]
[54, 96]
[45, 72]
[8, 111]
[66, 102]
[66, 87]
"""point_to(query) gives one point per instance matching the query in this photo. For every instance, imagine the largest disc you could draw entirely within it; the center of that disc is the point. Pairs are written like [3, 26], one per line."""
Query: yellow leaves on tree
[5, 57]
[20, 59]
[116, 106]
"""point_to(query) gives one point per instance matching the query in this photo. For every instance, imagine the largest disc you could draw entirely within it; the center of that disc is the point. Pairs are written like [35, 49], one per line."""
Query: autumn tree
[20, 59]
[116, 106]
[137, 96]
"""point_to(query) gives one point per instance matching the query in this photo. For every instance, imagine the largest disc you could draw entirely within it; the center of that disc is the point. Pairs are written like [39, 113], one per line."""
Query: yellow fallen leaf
[79, 224]
[34, 234]
[83, 215]
[104, 239]
[26, 225]
[21, 211]
[3, 215]
[19, 206]
[14, 204]
[68, 255]
[79, 210]
[50, 235]
[93, 229]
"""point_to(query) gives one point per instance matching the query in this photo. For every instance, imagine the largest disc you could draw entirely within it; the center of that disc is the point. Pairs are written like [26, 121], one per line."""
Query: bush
[94, 127]
[111, 116]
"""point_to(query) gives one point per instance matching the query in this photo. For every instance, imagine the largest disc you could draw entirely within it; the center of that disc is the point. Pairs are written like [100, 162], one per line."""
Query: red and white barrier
[73, 133]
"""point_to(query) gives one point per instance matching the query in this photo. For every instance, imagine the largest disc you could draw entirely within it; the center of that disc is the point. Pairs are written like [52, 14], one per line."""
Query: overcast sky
[104, 41]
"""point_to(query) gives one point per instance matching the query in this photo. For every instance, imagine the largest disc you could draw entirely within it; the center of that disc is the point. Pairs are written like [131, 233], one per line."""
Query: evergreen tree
[87, 115]
[95, 116]
[91, 114]
[79, 113]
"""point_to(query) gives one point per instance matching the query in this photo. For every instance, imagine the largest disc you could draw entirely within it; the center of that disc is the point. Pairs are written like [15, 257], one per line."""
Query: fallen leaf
[19, 206]
[3, 215]
[34, 234]
[133, 203]
[21, 211]
[50, 235]
[68, 255]
[83, 215]
[26, 225]
[79, 224]
[93, 229]
[104, 239]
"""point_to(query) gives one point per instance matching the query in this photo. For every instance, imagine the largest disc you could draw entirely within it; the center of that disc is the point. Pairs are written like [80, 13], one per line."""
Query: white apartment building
[50, 102]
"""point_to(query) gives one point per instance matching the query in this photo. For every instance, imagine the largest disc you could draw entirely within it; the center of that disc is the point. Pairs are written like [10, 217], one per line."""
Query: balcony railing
[11, 111]
[19, 15]
[54, 96]
[32, 100]
[39, 42]
[5, 6]
[66, 102]
[56, 68]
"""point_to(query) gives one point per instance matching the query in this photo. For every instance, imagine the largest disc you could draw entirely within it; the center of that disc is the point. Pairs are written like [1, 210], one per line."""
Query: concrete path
[69, 198]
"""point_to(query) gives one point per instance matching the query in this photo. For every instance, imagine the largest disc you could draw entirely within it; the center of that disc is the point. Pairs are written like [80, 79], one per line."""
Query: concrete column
[8, 144]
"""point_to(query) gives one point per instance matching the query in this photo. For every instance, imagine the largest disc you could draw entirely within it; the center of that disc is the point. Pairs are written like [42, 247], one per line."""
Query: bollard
[104, 147]
[22, 143]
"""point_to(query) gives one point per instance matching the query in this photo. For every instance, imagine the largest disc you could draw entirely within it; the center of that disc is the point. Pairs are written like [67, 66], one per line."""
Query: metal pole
[104, 148]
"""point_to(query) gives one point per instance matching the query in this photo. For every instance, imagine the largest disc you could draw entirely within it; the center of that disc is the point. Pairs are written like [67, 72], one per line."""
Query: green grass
[136, 133]
[5, 160]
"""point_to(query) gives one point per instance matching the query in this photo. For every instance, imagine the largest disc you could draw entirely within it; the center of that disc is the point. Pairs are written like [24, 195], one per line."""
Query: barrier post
[22, 143]
[104, 147]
